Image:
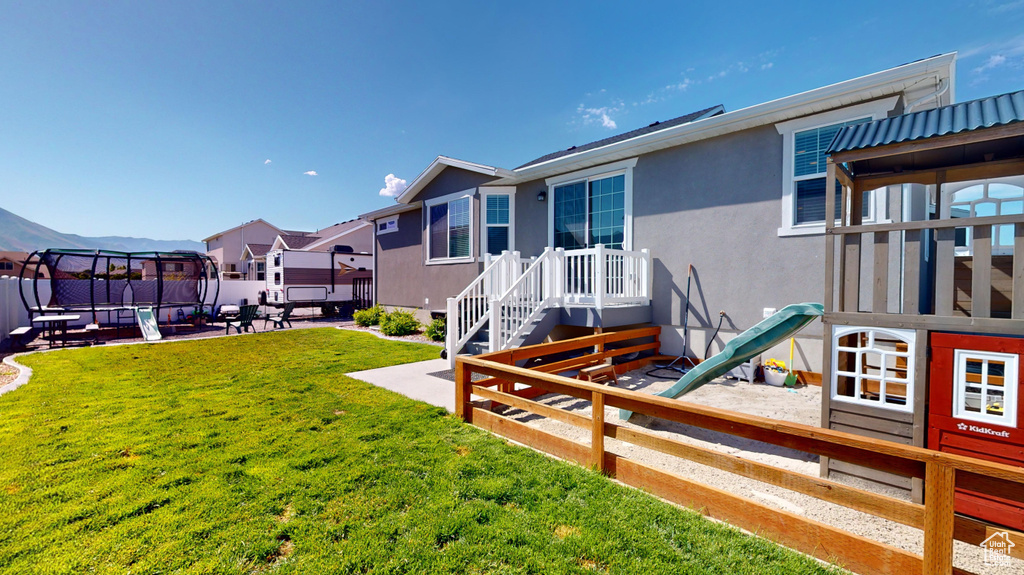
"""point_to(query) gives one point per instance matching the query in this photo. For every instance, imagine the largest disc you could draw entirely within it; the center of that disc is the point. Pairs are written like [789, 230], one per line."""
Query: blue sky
[158, 119]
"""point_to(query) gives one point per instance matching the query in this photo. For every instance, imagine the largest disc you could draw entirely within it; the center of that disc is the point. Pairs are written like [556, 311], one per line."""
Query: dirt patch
[7, 374]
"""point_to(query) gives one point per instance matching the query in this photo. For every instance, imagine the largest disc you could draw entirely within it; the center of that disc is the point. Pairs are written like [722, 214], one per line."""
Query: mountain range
[20, 235]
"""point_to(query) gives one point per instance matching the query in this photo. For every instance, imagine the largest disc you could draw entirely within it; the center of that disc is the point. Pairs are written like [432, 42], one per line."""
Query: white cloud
[767, 65]
[310, 173]
[994, 61]
[265, 162]
[602, 114]
[393, 186]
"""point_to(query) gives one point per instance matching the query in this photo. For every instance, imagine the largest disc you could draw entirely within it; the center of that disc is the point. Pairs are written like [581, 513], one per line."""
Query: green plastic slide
[147, 324]
[746, 345]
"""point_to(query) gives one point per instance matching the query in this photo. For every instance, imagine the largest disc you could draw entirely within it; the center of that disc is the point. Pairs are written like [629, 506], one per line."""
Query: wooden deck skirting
[943, 472]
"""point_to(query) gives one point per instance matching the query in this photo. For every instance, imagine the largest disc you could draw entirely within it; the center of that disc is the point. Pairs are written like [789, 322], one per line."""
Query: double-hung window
[593, 207]
[805, 141]
[498, 215]
[809, 174]
[450, 228]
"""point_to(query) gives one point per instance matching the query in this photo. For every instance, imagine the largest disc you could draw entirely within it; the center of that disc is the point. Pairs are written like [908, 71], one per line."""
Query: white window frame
[596, 173]
[389, 223]
[485, 192]
[951, 189]
[875, 110]
[427, 260]
[1010, 361]
[908, 336]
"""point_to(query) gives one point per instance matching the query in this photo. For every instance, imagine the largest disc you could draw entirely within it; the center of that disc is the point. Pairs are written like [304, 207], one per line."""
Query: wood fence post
[463, 391]
[939, 482]
[597, 430]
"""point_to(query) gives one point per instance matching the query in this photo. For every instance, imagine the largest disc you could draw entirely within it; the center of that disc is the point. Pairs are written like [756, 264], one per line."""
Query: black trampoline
[104, 281]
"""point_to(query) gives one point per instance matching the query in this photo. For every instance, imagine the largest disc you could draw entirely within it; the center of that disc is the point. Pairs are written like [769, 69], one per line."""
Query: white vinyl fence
[13, 314]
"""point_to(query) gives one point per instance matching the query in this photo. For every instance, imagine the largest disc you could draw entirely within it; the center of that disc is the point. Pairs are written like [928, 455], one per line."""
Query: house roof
[249, 223]
[952, 119]
[257, 250]
[297, 242]
[332, 233]
[437, 166]
[655, 127]
[915, 81]
[390, 211]
[17, 257]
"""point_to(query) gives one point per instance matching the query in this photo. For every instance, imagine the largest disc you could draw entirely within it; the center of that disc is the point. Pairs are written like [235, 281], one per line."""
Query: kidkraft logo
[997, 548]
[979, 429]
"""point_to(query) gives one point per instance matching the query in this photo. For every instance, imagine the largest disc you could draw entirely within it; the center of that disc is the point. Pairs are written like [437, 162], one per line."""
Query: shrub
[437, 329]
[370, 316]
[399, 323]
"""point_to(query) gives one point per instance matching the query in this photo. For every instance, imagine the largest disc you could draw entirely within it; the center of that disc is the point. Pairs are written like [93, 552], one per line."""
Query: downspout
[373, 264]
[942, 89]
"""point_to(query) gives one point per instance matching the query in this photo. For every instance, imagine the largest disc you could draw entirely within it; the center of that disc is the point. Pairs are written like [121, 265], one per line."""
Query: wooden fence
[942, 472]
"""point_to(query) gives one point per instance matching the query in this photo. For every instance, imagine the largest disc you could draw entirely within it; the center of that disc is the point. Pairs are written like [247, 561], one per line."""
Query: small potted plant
[775, 372]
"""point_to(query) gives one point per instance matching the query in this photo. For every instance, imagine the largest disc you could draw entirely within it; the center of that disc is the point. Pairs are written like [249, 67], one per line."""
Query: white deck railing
[470, 310]
[512, 291]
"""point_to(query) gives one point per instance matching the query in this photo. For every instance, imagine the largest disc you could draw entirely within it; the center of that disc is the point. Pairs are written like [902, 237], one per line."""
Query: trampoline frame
[207, 268]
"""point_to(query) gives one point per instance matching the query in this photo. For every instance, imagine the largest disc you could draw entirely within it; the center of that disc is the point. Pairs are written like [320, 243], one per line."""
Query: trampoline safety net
[96, 280]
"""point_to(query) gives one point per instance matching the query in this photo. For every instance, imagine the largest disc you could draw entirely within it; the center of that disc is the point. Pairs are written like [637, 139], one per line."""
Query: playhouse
[924, 310]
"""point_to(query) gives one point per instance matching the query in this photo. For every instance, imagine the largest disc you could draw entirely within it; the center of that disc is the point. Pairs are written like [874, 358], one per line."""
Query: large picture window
[590, 212]
[449, 229]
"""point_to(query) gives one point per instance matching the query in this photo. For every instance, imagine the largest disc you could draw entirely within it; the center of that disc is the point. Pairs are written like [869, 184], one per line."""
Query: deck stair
[516, 301]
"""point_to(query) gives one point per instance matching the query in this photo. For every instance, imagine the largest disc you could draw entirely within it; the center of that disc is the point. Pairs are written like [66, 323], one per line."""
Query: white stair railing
[512, 291]
[531, 294]
[467, 312]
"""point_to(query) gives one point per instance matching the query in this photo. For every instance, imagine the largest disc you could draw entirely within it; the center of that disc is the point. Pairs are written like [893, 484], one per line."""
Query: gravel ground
[802, 405]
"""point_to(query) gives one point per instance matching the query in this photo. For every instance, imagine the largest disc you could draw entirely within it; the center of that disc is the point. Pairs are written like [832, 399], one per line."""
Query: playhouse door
[975, 405]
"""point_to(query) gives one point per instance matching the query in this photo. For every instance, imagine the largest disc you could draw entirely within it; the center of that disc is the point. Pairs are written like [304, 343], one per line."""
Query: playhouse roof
[953, 119]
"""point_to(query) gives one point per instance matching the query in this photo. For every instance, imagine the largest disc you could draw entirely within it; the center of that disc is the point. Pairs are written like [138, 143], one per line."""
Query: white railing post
[495, 324]
[599, 276]
[451, 333]
[559, 271]
[648, 276]
[548, 285]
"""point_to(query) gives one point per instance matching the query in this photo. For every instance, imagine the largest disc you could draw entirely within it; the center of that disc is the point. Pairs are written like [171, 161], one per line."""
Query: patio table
[55, 323]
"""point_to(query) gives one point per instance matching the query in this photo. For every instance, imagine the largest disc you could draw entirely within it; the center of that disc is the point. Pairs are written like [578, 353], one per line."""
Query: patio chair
[281, 318]
[246, 314]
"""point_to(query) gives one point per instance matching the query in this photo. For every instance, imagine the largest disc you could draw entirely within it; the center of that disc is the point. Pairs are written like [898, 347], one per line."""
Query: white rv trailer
[306, 278]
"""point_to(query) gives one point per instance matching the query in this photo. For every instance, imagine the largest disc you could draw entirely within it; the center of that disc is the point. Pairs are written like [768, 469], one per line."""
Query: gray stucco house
[605, 234]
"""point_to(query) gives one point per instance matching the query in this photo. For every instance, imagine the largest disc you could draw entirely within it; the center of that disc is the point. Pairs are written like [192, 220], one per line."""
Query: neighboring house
[11, 264]
[738, 195]
[227, 247]
[357, 234]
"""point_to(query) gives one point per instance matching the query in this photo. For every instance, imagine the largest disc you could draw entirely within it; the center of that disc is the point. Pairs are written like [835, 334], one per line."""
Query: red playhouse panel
[975, 406]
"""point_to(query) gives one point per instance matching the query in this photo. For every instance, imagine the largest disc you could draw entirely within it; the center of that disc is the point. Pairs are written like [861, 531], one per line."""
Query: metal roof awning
[953, 119]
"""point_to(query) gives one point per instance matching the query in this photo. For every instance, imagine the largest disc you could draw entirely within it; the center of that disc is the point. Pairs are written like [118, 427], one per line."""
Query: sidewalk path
[415, 380]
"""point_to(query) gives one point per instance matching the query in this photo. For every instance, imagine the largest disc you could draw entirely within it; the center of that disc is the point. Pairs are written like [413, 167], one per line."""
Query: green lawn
[256, 455]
